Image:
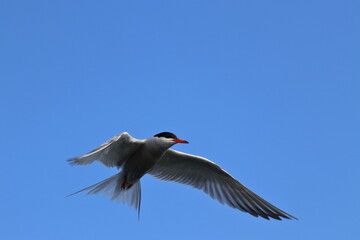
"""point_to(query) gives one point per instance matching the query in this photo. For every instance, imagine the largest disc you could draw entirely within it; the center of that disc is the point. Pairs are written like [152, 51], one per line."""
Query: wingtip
[72, 161]
[72, 194]
[289, 217]
[279, 217]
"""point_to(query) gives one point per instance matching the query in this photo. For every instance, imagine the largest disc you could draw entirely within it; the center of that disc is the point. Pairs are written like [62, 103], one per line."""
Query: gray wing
[112, 153]
[212, 179]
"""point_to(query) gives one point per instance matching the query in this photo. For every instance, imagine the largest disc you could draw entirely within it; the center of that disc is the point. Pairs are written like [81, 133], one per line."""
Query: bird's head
[170, 137]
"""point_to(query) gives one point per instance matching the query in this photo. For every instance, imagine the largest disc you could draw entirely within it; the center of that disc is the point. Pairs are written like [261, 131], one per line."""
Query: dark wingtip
[279, 218]
[71, 161]
[289, 217]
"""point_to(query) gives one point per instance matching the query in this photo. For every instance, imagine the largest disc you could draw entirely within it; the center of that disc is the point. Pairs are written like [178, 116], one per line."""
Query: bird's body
[143, 160]
[153, 156]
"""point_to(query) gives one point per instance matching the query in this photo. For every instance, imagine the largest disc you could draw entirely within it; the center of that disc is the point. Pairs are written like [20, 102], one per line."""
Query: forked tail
[113, 188]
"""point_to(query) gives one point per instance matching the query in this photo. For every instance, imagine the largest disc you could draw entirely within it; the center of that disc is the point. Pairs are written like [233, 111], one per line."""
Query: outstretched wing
[203, 174]
[112, 153]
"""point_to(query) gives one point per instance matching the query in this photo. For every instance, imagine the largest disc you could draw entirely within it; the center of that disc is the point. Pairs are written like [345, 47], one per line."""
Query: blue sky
[270, 90]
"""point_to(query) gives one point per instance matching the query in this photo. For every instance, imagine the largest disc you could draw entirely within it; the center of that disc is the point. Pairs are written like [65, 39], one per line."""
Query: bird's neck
[158, 144]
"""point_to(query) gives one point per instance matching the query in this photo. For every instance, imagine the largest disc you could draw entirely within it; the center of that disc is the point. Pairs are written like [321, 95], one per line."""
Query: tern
[153, 156]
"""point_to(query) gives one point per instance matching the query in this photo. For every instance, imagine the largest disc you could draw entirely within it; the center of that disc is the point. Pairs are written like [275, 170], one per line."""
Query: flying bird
[153, 156]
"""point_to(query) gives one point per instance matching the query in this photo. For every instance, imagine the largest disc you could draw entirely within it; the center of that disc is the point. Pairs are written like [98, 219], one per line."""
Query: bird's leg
[124, 184]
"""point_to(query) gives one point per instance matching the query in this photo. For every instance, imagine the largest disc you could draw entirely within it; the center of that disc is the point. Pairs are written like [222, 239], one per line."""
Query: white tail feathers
[112, 187]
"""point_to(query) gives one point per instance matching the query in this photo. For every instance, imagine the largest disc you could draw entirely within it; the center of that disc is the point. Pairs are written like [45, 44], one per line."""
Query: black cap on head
[166, 135]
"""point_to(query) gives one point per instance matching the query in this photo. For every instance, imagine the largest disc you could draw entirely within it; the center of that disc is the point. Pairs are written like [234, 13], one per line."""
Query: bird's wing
[203, 174]
[112, 153]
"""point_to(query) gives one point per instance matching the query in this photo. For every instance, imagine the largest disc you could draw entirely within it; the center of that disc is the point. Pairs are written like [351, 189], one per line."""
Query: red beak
[180, 141]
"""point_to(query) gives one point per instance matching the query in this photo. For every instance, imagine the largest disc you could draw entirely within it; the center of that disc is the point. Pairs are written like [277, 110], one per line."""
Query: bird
[154, 156]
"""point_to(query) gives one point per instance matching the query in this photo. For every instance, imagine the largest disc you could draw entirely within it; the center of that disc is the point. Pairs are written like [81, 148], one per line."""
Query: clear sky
[269, 90]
